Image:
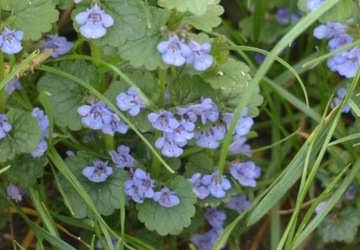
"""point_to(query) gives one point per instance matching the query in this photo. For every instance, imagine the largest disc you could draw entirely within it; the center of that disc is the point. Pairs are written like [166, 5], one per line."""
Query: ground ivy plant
[126, 124]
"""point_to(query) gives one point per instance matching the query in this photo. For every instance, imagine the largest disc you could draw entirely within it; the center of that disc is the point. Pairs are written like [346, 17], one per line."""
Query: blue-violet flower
[5, 127]
[130, 102]
[10, 41]
[166, 198]
[99, 172]
[94, 22]
[58, 44]
[174, 51]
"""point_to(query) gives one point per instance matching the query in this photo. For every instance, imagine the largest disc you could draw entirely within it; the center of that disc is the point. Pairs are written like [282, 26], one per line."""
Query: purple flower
[243, 125]
[130, 102]
[245, 173]
[114, 241]
[238, 203]
[58, 44]
[166, 198]
[350, 193]
[210, 138]
[43, 122]
[122, 157]
[98, 116]
[5, 127]
[10, 41]
[164, 121]
[314, 4]
[99, 172]
[139, 186]
[283, 17]
[207, 240]
[41, 148]
[328, 30]
[186, 115]
[216, 188]
[174, 51]
[170, 147]
[14, 192]
[207, 110]
[199, 189]
[320, 207]
[12, 85]
[238, 146]
[215, 217]
[340, 94]
[200, 56]
[94, 22]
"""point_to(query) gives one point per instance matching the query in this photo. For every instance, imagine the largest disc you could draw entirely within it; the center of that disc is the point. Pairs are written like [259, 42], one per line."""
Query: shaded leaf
[207, 21]
[105, 195]
[25, 16]
[198, 7]
[142, 51]
[170, 220]
[67, 95]
[25, 170]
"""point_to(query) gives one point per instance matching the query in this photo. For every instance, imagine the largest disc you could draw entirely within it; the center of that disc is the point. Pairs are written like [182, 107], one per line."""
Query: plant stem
[155, 170]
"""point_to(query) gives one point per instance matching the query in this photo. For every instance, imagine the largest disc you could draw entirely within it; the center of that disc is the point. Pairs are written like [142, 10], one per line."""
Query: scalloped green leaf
[342, 227]
[170, 220]
[25, 169]
[233, 79]
[25, 16]
[199, 163]
[130, 21]
[105, 195]
[340, 12]
[143, 52]
[209, 20]
[67, 95]
[197, 7]
[23, 136]
[189, 89]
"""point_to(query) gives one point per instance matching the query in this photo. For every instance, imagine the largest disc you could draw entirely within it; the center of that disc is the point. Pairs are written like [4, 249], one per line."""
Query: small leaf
[67, 95]
[105, 195]
[197, 7]
[23, 136]
[142, 51]
[199, 163]
[170, 220]
[25, 16]
[340, 12]
[340, 227]
[233, 79]
[207, 21]
[189, 89]
[25, 170]
[129, 21]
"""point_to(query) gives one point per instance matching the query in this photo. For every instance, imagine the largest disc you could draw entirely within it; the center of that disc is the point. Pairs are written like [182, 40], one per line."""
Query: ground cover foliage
[168, 124]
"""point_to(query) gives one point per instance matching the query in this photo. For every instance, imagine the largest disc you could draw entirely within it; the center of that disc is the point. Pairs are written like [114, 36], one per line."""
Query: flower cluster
[43, 122]
[10, 41]
[58, 44]
[176, 52]
[207, 240]
[210, 185]
[346, 62]
[140, 186]
[99, 116]
[179, 127]
[5, 127]
[99, 172]
[340, 94]
[94, 22]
